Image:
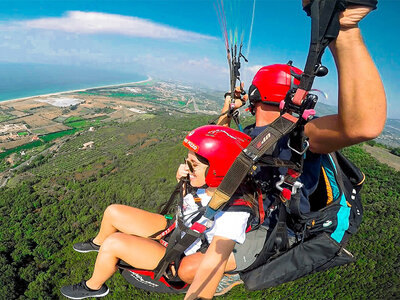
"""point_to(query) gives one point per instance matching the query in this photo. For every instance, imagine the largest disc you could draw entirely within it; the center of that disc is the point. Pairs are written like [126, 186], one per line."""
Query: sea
[27, 80]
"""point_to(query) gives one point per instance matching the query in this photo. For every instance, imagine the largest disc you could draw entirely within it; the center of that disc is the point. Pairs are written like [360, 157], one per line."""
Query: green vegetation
[59, 199]
[55, 135]
[5, 117]
[19, 148]
[131, 95]
[80, 123]
[395, 151]
[73, 119]
[23, 133]
[105, 110]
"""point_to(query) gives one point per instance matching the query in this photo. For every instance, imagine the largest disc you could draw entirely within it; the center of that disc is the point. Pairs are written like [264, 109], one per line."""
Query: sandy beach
[149, 78]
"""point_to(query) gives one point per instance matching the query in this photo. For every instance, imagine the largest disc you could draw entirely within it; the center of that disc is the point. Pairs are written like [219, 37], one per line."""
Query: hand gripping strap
[246, 159]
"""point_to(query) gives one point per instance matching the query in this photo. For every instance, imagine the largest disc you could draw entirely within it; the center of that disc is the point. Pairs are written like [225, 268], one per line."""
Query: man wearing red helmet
[361, 105]
[361, 98]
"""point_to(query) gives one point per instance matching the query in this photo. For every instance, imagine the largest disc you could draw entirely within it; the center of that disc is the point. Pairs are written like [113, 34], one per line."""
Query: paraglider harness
[320, 234]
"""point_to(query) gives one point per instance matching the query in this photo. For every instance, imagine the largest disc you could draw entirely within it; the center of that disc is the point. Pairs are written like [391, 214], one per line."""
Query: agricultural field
[47, 118]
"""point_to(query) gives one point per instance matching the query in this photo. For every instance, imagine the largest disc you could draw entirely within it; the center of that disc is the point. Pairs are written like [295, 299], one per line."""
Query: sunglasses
[189, 164]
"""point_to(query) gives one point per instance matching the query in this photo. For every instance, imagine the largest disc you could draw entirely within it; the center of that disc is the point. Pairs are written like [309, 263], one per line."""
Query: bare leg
[190, 264]
[129, 220]
[137, 251]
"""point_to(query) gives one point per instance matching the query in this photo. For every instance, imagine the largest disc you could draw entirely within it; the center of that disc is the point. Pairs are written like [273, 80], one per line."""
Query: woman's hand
[239, 100]
[224, 119]
[183, 171]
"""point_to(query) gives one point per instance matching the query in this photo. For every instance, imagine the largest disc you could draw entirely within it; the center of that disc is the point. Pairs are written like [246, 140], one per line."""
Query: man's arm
[362, 101]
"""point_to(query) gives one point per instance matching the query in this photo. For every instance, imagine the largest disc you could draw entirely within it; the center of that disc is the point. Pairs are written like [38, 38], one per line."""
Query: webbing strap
[246, 160]
[261, 211]
[276, 162]
[324, 29]
[165, 207]
[178, 245]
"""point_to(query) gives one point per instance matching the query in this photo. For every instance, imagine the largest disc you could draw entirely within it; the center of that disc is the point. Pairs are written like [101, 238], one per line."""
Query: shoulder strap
[164, 208]
[247, 159]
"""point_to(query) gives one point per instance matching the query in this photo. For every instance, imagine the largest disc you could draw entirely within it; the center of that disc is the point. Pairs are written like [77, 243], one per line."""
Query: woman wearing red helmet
[125, 231]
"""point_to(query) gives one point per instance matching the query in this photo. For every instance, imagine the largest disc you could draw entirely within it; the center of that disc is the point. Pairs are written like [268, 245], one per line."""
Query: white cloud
[103, 23]
[253, 69]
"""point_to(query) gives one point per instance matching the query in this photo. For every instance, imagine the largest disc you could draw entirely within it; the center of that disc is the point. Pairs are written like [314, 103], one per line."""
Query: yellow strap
[329, 193]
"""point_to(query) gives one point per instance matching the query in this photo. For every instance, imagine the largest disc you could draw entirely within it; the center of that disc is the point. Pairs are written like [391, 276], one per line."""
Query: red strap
[261, 206]
[248, 229]
[299, 96]
[164, 243]
[198, 227]
[293, 173]
[286, 194]
[290, 117]
[166, 231]
[238, 202]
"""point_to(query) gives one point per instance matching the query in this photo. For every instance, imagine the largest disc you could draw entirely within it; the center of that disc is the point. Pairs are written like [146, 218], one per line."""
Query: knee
[187, 271]
[112, 211]
[113, 243]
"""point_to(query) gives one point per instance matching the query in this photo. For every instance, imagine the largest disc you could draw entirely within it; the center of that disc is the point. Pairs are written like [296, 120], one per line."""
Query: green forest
[59, 198]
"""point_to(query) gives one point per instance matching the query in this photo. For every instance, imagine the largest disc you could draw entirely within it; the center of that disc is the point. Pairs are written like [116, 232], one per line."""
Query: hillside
[384, 156]
[58, 199]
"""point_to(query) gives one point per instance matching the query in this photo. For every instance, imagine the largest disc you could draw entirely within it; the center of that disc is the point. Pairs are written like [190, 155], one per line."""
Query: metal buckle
[250, 154]
[209, 223]
[295, 186]
[302, 152]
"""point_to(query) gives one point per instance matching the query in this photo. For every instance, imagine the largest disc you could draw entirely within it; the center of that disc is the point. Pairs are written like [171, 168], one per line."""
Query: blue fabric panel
[342, 219]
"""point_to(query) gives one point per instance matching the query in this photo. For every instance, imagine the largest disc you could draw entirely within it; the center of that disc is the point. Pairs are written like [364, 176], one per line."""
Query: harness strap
[247, 159]
[324, 29]
[164, 208]
[178, 245]
[269, 161]
[290, 195]
[164, 233]
[281, 231]
[261, 211]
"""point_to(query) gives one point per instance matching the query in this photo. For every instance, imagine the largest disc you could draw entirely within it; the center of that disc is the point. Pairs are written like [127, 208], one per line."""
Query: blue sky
[181, 39]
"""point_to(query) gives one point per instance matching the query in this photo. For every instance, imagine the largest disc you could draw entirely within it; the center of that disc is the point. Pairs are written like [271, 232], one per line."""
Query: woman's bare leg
[137, 251]
[131, 220]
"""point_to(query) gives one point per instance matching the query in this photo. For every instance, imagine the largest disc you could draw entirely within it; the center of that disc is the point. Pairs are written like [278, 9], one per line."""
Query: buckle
[307, 145]
[295, 186]
[250, 154]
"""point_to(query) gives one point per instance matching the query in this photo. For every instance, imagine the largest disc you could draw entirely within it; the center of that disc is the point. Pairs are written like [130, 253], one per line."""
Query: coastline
[149, 78]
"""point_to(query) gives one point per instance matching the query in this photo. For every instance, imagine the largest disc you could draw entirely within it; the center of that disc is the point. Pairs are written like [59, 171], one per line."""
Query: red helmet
[220, 145]
[271, 83]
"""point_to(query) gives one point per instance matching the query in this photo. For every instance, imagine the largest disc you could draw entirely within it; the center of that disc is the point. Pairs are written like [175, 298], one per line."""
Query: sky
[182, 39]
